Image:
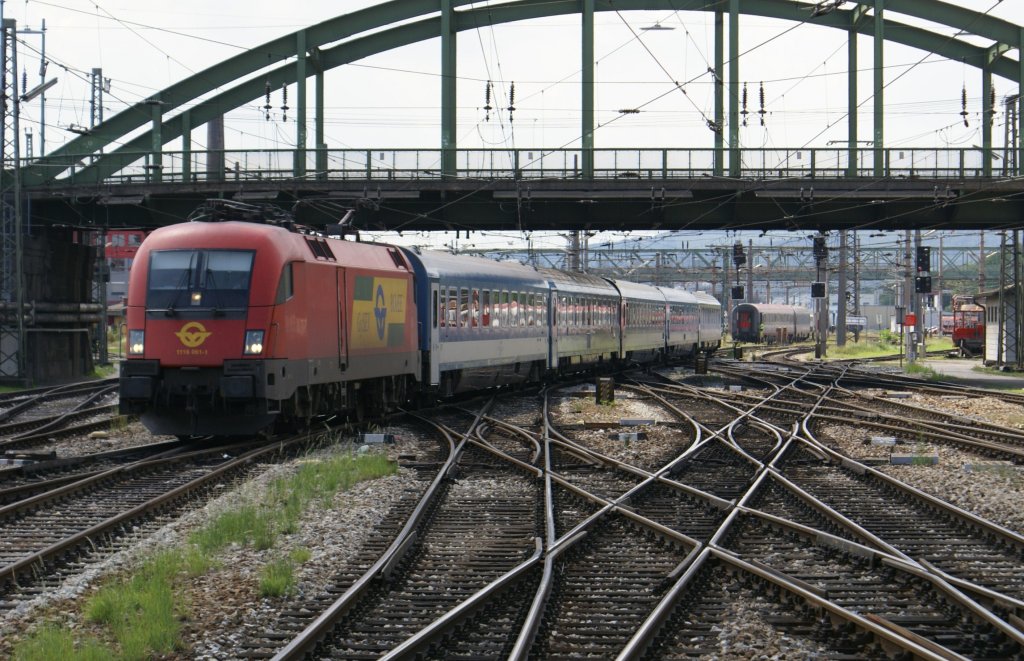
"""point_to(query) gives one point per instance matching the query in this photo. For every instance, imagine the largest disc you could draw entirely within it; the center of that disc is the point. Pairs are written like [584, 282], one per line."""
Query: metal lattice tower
[12, 327]
[101, 271]
[1007, 351]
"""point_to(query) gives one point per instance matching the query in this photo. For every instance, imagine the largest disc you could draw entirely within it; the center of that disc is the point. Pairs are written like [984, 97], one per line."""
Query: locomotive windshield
[199, 280]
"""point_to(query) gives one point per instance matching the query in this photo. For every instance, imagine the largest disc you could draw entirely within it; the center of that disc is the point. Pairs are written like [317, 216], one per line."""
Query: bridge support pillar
[719, 168]
[852, 169]
[449, 89]
[299, 168]
[986, 118]
[587, 100]
[879, 67]
[734, 88]
[318, 121]
[156, 163]
[186, 146]
[1020, 106]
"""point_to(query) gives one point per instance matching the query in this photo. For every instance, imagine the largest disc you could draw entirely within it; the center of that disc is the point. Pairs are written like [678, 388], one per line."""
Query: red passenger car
[968, 325]
[231, 324]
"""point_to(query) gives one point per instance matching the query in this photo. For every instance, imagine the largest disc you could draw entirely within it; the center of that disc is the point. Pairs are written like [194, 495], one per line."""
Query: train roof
[579, 283]
[485, 271]
[673, 295]
[707, 298]
[635, 290]
[276, 244]
[772, 307]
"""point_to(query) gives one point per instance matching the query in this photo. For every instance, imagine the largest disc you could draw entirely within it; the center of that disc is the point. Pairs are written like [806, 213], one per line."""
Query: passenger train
[770, 324]
[235, 325]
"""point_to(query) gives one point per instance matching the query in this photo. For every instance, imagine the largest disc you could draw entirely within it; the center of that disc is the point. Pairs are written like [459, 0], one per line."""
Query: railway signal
[739, 257]
[924, 260]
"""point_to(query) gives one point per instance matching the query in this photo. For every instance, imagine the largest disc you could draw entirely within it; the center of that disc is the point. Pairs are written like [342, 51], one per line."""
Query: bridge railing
[279, 165]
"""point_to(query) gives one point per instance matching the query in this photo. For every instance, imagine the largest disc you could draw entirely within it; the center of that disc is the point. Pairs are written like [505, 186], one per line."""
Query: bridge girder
[401, 12]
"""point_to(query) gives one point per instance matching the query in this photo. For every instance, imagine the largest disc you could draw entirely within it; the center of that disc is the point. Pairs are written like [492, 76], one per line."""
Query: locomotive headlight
[136, 342]
[253, 343]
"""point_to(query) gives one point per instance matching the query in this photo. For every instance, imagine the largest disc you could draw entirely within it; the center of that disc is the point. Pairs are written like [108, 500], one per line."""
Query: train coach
[770, 324]
[968, 332]
[233, 326]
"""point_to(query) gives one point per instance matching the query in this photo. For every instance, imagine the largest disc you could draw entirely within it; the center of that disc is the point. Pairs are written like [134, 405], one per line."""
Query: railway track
[49, 472]
[36, 418]
[651, 558]
[54, 532]
[547, 529]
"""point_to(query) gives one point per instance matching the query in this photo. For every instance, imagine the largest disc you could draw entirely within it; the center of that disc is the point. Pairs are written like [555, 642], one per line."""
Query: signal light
[924, 259]
[739, 258]
[737, 293]
[923, 284]
[817, 290]
[820, 248]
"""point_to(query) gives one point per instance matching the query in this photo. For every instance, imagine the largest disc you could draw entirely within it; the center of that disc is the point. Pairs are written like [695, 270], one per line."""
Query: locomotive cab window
[199, 280]
[285, 286]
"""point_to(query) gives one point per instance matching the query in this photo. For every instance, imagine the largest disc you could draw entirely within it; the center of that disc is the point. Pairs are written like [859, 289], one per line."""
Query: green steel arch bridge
[121, 171]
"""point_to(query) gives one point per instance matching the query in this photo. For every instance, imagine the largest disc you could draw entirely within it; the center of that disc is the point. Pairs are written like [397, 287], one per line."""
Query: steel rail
[11, 571]
[302, 644]
[421, 641]
[1005, 534]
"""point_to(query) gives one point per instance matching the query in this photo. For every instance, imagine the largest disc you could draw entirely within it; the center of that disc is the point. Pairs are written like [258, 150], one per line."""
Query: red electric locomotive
[232, 324]
[968, 325]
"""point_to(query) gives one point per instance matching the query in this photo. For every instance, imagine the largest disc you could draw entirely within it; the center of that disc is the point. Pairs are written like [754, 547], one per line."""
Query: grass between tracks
[885, 344]
[139, 615]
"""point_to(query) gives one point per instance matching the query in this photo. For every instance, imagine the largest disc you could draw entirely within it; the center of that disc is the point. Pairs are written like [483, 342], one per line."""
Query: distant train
[968, 325]
[770, 324]
[233, 326]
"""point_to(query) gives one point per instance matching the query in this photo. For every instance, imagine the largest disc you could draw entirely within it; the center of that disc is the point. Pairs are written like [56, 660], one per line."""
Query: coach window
[474, 309]
[463, 307]
[433, 313]
[485, 317]
[531, 302]
[448, 306]
[442, 305]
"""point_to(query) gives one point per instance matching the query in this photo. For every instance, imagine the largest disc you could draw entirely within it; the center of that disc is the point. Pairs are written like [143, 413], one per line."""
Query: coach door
[555, 329]
[342, 298]
[438, 316]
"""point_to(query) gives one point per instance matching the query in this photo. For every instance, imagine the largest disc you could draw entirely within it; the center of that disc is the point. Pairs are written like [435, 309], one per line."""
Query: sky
[392, 100]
